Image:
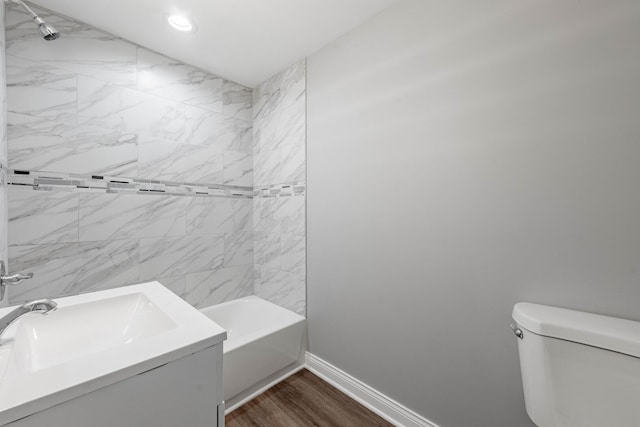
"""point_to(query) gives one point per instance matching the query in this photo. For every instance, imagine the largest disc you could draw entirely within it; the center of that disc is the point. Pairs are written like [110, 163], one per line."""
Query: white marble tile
[92, 103]
[244, 140]
[238, 248]
[169, 78]
[163, 160]
[20, 125]
[218, 215]
[293, 163]
[127, 216]
[218, 130]
[221, 285]
[40, 217]
[279, 130]
[238, 100]
[3, 160]
[280, 147]
[266, 167]
[81, 49]
[113, 107]
[36, 144]
[282, 288]
[211, 129]
[267, 250]
[73, 268]
[39, 91]
[283, 127]
[283, 90]
[238, 168]
[280, 251]
[4, 219]
[174, 256]
[3, 105]
[293, 254]
[4, 249]
[290, 215]
[177, 285]
[283, 215]
[263, 218]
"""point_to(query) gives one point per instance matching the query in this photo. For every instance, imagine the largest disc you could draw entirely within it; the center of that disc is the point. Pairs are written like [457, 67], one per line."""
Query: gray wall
[463, 156]
[279, 135]
[92, 103]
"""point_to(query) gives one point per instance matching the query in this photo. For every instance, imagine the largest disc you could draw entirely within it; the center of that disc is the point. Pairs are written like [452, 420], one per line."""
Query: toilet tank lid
[610, 333]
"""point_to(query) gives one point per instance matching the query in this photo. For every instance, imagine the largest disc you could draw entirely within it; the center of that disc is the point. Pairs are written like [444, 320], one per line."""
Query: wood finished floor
[303, 399]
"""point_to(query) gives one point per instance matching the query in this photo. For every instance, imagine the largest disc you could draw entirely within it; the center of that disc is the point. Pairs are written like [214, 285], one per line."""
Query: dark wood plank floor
[303, 399]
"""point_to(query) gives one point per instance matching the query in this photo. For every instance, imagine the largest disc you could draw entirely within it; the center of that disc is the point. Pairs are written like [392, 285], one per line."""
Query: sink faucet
[13, 279]
[40, 306]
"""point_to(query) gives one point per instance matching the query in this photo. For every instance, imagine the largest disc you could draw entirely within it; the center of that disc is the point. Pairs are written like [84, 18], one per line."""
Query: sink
[94, 340]
[76, 331]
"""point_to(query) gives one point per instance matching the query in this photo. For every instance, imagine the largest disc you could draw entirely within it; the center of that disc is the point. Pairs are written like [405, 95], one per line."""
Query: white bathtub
[262, 340]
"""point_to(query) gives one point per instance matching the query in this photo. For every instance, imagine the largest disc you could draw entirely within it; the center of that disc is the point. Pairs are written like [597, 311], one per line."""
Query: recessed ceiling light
[180, 23]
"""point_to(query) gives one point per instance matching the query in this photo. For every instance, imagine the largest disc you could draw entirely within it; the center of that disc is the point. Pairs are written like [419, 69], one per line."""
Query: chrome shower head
[47, 31]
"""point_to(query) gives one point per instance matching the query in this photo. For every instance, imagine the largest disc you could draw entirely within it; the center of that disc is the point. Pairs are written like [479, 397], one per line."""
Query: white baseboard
[377, 402]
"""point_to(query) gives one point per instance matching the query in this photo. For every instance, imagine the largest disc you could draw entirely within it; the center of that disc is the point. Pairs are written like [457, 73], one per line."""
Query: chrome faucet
[39, 306]
[11, 280]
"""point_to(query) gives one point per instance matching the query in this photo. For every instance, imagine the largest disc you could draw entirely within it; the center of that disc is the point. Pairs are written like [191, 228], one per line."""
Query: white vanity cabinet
[137, 356]
[186, 392]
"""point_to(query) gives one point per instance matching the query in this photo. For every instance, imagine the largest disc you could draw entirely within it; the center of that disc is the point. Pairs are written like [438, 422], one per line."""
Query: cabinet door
[185, 392]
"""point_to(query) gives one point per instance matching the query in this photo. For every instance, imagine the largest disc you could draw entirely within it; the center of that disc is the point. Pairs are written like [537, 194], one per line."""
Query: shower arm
[23, 4]
[47, 31]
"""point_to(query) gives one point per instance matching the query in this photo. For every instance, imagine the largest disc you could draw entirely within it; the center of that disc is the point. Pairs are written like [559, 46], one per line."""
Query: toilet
[578, 369]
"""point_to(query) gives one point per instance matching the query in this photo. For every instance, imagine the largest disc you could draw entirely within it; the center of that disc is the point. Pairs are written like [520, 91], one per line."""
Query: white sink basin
[76, 331]
[94, 340]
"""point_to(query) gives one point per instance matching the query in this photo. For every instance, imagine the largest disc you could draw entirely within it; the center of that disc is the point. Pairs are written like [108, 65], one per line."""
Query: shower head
[47, 31]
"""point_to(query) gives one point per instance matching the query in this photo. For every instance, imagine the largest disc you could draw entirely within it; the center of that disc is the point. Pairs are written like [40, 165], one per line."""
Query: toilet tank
[578, 369]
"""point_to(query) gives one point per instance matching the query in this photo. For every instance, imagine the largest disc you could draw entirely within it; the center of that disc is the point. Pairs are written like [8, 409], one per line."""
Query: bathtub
[263, 340]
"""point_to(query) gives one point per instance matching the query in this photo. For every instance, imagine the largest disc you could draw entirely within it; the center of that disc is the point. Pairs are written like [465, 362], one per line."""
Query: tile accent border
[297, 188]
[52, 181]
[369, 397]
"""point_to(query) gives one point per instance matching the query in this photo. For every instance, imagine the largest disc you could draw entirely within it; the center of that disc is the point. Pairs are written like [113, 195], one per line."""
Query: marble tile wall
[3, 153]
[91, 105]
[279, 125]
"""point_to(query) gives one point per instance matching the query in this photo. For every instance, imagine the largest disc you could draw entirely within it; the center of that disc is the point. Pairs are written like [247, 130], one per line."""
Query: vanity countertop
[94, 340]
